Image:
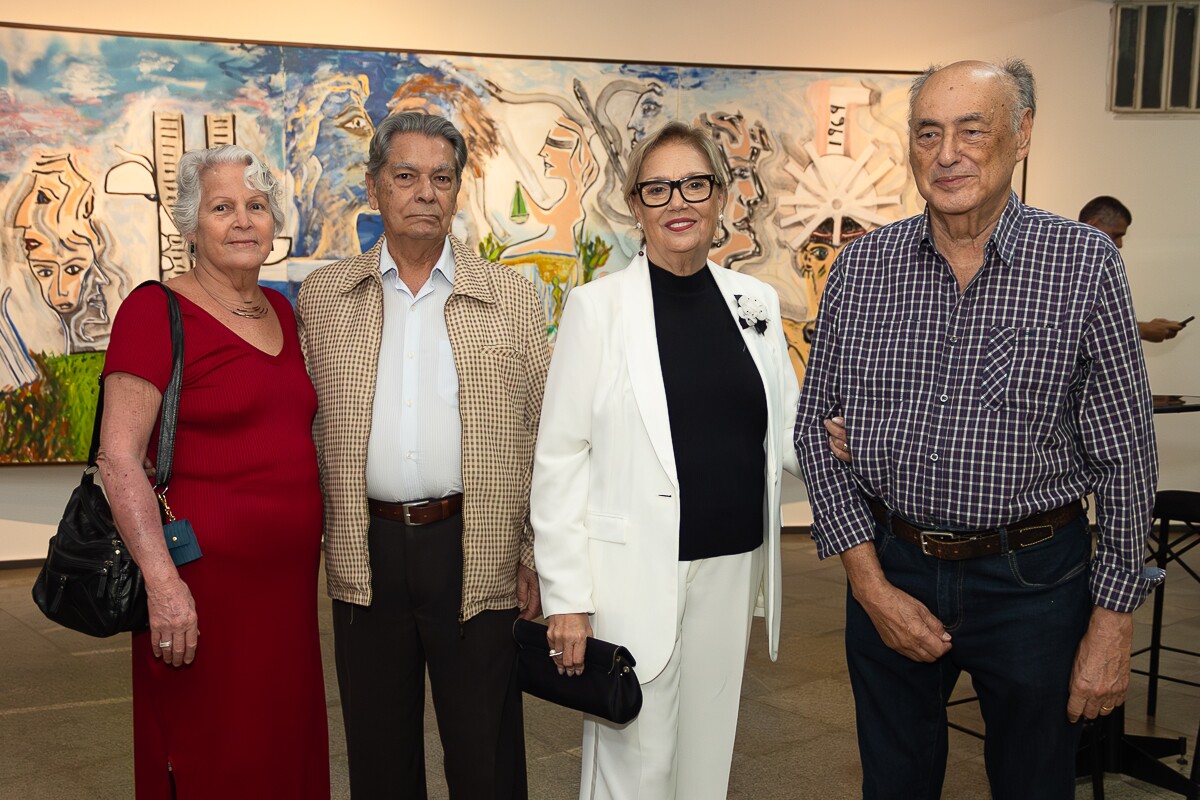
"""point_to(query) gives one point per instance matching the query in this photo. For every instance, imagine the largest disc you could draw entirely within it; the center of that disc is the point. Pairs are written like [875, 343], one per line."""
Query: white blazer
[604, 500]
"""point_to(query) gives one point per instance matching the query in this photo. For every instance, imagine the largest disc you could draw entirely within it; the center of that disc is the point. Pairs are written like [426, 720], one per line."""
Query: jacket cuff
[525, 553]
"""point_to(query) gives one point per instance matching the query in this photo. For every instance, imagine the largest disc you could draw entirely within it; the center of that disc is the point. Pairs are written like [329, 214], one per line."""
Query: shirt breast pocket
[1025, 370]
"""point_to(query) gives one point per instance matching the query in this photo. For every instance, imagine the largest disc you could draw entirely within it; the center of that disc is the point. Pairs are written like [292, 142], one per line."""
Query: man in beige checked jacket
[429, 364]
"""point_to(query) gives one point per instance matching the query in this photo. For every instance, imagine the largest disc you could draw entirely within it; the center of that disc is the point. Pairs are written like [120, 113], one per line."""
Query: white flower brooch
[752, 313]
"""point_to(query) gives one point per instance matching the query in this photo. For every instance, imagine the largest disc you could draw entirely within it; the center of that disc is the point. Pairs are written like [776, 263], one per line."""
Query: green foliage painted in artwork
[51, 418]
[492, 248]
[593, 254]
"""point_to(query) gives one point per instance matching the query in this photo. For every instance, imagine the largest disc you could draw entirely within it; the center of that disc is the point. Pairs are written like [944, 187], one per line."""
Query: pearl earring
[638, 226]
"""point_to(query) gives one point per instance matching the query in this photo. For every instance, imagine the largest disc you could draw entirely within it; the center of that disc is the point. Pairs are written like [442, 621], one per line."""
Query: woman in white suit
[665, 428]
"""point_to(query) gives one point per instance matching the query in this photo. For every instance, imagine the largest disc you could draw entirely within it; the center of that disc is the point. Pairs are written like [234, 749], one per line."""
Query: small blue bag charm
[181, 539]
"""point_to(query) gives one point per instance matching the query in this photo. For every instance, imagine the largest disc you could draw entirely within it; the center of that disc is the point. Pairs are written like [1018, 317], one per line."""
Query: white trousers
[680, 746]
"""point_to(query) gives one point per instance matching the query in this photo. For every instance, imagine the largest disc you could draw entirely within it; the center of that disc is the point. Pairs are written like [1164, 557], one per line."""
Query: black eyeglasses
[693, 189]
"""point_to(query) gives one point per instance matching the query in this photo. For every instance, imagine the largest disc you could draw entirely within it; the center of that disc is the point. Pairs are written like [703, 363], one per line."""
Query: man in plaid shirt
[985, 358]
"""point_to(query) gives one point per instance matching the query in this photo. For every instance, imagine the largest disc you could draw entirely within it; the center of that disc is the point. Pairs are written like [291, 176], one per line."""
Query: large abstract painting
[92, 126]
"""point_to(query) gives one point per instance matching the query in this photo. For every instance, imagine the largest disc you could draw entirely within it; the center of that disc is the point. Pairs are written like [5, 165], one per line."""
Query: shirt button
[933, 456]
[953, 339]
[408, 455]
[408, 403]
[944, 398]
[410, 353]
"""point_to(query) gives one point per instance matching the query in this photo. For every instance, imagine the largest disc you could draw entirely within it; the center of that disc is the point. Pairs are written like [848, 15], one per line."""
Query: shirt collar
[444, 265]
[1003, 240]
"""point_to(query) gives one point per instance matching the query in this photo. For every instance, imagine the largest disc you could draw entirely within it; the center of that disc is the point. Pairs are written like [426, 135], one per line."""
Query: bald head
[1014, 73]
[962, 145]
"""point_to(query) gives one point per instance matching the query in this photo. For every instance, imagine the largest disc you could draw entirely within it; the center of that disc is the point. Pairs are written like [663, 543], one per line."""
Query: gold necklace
[246, 309]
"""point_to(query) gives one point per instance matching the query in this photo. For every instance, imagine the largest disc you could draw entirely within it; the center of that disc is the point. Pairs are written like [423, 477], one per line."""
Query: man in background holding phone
[1111, 216]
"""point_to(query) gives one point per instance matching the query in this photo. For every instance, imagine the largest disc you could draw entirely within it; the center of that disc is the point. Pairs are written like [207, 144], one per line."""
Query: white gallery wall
[1079, 149]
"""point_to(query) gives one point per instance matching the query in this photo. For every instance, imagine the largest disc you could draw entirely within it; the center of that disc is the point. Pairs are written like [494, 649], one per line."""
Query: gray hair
[1019, 75]
[415, 122]
[675, 131]
[193, 165]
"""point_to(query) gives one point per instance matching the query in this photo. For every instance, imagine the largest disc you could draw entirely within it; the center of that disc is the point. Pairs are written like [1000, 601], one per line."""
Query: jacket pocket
[502, 369]
[606, 527]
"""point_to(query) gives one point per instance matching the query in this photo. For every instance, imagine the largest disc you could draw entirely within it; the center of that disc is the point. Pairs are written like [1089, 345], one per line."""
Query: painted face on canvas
[56, 232]
[342, 141]
[556, 155]
[647, 115]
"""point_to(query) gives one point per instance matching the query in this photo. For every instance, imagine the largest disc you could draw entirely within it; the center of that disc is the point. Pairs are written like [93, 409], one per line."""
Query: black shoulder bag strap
[170, 401]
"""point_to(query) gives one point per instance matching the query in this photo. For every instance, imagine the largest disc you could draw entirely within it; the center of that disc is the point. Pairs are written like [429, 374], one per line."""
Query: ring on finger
[165, 644]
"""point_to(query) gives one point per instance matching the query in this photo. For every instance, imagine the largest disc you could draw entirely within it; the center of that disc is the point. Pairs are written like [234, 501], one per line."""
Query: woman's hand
[174, 629]
[839, 445]
[567, 637]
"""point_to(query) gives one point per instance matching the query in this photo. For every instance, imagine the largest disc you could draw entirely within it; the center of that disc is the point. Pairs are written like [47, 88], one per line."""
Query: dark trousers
[1016, 621]
[382, 652]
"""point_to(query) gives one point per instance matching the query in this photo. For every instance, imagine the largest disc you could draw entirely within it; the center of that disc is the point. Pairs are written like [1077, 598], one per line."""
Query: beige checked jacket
[497, 330]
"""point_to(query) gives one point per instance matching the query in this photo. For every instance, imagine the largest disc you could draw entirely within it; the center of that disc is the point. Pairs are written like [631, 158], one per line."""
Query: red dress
[247, 718]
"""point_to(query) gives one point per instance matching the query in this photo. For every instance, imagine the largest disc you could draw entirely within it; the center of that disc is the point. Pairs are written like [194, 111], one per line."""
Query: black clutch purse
[89, 582]
[608, 687]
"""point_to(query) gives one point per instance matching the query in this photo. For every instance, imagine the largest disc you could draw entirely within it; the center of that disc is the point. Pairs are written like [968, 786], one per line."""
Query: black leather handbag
[89, 582]
[608, 687]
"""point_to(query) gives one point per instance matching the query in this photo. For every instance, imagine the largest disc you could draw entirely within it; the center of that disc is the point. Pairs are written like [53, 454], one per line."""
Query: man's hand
[529, 595]
[839, 445]
[1158, 329]
[903, 622]
[1100, 676]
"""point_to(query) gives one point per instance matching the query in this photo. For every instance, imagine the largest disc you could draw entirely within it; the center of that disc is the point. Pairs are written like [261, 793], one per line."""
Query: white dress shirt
[415, 447]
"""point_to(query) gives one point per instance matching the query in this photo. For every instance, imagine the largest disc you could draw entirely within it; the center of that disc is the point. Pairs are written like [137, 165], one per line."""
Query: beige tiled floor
[65, 726]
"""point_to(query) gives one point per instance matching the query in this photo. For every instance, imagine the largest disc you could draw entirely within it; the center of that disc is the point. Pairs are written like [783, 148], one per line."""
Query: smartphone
[1184, 322]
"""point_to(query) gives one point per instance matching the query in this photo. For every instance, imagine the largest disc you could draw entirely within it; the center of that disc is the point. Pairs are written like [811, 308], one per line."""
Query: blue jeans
[1016, 622]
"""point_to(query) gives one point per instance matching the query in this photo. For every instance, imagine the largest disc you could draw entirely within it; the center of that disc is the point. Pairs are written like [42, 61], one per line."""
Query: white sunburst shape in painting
[835, 187]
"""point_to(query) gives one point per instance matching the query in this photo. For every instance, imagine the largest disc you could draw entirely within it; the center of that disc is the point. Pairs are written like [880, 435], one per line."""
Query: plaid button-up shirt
[974, 409]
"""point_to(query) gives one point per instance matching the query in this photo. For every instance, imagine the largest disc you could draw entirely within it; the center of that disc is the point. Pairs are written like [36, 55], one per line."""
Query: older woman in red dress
[239, 712]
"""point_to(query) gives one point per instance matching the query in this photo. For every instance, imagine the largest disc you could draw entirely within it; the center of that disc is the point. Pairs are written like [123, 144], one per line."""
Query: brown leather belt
[418, 512]
[961, 545]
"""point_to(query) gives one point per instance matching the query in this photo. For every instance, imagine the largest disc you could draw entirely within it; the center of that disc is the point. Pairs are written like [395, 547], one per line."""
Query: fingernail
[560, 670]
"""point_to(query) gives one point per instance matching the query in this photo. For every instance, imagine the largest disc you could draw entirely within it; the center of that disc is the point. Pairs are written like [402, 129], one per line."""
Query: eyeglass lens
[694, 189]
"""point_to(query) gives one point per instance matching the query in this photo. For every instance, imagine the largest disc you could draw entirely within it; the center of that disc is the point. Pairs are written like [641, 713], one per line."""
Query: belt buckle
[408, 507]
[934, 535]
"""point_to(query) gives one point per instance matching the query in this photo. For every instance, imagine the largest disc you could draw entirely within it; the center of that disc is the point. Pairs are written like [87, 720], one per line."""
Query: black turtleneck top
[717, 407]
